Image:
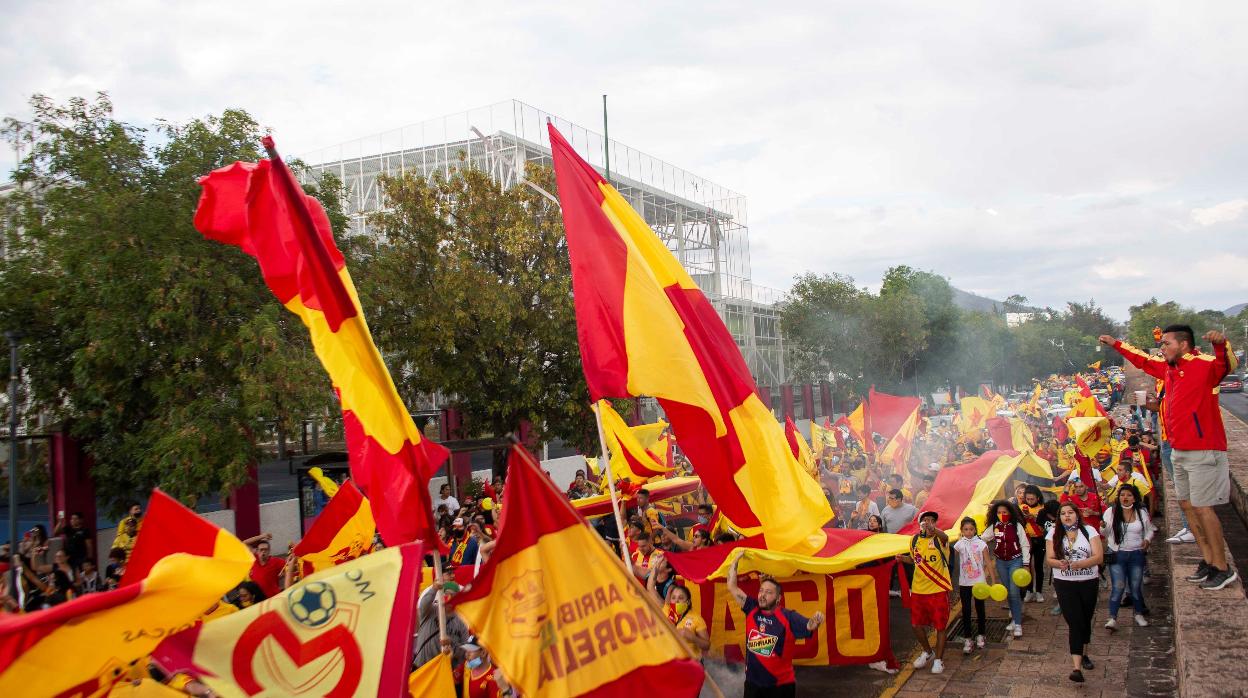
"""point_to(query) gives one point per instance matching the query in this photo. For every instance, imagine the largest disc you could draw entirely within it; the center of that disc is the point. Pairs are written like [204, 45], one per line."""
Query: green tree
[162, 351]
[934, 358]
[824, 323]
[1150, 314]
[469, 288]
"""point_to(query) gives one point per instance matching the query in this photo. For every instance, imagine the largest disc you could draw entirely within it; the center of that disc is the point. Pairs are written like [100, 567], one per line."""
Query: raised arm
[1154, 366]
[732, 583]
[1224, 360]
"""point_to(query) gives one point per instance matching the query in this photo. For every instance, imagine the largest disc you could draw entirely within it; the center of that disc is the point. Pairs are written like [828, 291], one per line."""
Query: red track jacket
[1193, 420]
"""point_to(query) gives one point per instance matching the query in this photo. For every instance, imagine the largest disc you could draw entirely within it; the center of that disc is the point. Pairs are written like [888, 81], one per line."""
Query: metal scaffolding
[702, 223]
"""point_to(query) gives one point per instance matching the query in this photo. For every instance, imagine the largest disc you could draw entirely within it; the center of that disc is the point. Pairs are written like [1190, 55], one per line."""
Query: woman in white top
[1128, 532]
[1074, 552]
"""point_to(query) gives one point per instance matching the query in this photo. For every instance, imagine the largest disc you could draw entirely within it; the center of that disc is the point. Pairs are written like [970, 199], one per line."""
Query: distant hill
[1235, 310]
[971, 301]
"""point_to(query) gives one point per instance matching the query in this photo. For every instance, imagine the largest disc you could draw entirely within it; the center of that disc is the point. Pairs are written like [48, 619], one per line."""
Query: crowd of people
[1087, 530]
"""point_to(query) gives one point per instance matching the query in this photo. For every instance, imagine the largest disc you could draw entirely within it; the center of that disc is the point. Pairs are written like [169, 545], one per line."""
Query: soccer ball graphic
[312, 604]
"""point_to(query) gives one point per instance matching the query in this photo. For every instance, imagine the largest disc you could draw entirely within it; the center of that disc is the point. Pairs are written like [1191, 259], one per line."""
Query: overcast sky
[1064, 151]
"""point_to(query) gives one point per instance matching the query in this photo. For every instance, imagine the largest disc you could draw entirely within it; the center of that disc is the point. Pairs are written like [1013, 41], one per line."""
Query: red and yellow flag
[343, 632]
[799, 448]
[1091, 433]
[856, 422]
[80, 648]
[259, 208]
[558, 611]
[975, 414]
[646, 329]
[889, 413]
[897, 451]
[1086, 407]
[631, 458]
[170, 528]
[343, 531]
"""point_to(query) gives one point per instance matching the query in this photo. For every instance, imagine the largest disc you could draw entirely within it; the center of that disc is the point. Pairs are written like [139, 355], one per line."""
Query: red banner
[855, 603]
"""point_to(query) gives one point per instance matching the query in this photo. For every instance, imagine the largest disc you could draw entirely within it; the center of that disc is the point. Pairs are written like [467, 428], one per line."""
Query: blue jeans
[1127, 571]
[1165, 460]
[1005, 572]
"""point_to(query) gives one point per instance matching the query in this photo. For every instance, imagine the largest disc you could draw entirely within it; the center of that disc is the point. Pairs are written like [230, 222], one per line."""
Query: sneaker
[1111, 624]
[1009, 626]
[1039, 597]
[1028, 597]
[1202, 572]
[1141, 621]
[922, 660]
[1086, 663]
[1018, 630]
[966, 646]
[1187, 537]
[979, 641]
[1219, 578]
[1076, 676]
[938, 667]
[1178, 536]
[1056, 610]
[881, 666]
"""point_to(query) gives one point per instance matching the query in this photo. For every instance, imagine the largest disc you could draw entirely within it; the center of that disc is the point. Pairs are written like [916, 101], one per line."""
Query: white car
[1057, 411]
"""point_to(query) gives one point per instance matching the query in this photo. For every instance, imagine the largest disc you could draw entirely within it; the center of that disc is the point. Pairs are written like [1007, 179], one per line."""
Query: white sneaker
[1018, 630]
[1027, 597]
[1184, 535]
[979, 641]
[923, 659]
[938, 667]
[1111, 624]
[1039, 597]
[966, 646]
[1141, 621]
[1009, 626]
[881, 666]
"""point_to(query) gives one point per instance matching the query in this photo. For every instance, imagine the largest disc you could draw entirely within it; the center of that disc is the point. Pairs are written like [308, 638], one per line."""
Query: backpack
[940, 549]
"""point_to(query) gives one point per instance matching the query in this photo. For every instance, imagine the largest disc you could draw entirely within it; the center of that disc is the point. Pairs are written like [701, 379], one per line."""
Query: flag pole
[437, 597]
[615, 501]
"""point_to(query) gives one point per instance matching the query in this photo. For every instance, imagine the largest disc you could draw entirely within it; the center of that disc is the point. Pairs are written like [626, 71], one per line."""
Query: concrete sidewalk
[1132, 661]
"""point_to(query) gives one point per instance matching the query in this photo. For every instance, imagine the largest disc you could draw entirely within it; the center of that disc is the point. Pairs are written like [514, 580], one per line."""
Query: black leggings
[1037, 565]
[967, 597]
[1078, 602]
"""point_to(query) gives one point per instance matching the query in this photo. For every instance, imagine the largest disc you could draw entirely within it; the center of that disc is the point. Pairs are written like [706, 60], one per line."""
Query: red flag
[1084, 390]
[888, 412]
[260, 208]
[999, 432]
[1060, 432]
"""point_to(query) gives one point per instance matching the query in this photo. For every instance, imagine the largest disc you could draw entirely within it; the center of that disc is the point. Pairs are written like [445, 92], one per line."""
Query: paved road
[1237, 404]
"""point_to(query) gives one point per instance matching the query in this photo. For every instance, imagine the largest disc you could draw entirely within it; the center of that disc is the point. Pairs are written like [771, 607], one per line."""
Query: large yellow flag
[819, 439]
[346, 631]
[1020, 435]
[558, 611]
[81, 647]
[1085, 407]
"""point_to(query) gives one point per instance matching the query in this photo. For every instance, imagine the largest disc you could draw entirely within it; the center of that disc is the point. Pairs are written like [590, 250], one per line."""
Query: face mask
[1005, 518]
[704, 520]
[474, 662]
[677, 610]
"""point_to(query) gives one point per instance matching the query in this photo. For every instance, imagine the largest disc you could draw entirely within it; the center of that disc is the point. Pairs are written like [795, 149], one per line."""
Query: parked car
[1232, 384]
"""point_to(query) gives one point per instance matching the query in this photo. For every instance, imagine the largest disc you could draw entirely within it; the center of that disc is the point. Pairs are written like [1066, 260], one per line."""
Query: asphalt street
[1236, 404]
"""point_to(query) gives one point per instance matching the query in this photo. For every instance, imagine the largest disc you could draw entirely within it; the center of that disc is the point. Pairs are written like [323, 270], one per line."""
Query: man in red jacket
[1193, 424]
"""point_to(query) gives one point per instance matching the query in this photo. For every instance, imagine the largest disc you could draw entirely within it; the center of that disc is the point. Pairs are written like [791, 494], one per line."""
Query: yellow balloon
[1021, 577]
[998, 592]
[487, 504]
[980, 590]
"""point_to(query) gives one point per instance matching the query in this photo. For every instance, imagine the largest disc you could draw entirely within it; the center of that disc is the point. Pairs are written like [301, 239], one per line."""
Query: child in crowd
[974, 567]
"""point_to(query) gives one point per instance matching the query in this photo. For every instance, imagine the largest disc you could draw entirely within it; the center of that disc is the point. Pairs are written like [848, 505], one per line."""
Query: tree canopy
[162, 351]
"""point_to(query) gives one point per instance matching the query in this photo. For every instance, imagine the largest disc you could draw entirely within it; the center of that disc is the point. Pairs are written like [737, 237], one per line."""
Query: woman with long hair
[1031, 506]
[1007, 541]
[1128, 530]
[1074, 552]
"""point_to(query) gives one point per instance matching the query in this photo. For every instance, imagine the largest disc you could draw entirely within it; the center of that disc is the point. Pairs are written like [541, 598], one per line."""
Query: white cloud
[1221, 213]
[864, 134]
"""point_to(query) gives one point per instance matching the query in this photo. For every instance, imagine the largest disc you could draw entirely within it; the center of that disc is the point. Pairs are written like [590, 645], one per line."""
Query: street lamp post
[14, 339]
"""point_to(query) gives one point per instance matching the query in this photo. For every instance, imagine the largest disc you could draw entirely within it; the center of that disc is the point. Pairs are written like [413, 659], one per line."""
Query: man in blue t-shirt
[770, 635]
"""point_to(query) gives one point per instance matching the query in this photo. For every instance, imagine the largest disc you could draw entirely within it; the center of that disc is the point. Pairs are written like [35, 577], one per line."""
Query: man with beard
[771, 633]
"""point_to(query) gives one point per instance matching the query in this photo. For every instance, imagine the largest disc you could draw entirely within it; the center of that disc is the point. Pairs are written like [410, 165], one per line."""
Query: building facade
[704, 224]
